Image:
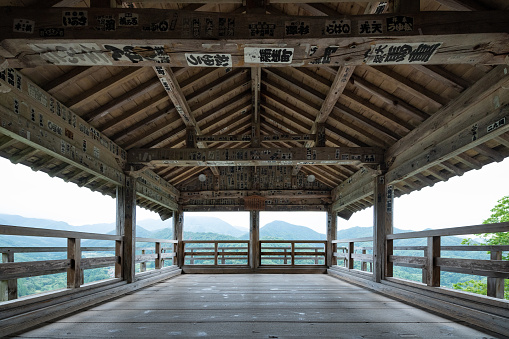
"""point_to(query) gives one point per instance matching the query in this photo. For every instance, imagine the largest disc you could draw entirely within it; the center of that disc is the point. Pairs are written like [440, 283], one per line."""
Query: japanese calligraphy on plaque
[226, 27]
[128, 19]
[258, 55]
[262, 29]
[296, 28]
[23, 26]
[75, 18]
[209, 60]
[137, 54]
[411, 53]
[370, 27]
[72, 54]
[337, 27]
[400, 24]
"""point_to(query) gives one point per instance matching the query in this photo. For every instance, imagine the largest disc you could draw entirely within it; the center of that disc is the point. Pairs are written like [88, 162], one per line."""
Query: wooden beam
[356, 188]
[85, 45]
[463, 124]
[35, 118]
[66, 79]
[240, 194]
[462, 5]
[256, 83]
[127, 224]
[256, 156]
[254, 238]
[382, 226]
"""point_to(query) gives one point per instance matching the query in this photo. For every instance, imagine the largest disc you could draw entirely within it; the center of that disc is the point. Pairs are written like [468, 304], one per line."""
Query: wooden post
[285, 261]
[351, 249]
[389, 267]
[496, 285]
[126, 226]
[178, 224]
[223, 260]
[332, 234]
[433, 271]
[364, 266]
[424, 278]
[8, 288]
[159, 263]
[254, 239]
[74, 255]
[293, 253]
[119, 255]
[216, 253]
[382, 225]
[191, 137]
[143, 265]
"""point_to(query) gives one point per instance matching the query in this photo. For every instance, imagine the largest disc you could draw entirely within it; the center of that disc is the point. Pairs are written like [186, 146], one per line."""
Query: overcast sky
[461, 201]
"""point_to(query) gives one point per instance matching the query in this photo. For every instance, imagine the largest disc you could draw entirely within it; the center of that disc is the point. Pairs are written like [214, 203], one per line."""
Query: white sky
[461, 201]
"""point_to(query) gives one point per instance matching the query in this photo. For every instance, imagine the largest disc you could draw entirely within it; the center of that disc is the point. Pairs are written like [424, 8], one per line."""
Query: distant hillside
[210, 225]
[283, 230]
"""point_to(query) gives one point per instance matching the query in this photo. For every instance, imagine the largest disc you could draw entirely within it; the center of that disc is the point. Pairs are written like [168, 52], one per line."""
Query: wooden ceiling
[353, 105]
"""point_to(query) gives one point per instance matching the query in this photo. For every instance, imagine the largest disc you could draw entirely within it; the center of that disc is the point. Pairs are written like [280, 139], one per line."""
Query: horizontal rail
[42, 232]
[88, 263]
[215, 241]
[293, 241]
[14, 270]
[52, 249]
[476, 229]
[156, 240]
[365, 239]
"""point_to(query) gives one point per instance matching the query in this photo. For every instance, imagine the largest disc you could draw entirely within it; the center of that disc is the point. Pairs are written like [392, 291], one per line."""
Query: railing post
[364, 266]
[316, 256]
[191, 259]
[158, 260]
[383, 208]
[351, 247]
[285, 261]
[223, 261]
[8, 288]
[424, 271]
[119, 255]
[389, 266]
[293, 253]
[126, 226]
[433, 271]
[254, 239]
[74, 255]
[216, 253]
[178, 224]
[143, 265]
[332, 234]
[496, 285]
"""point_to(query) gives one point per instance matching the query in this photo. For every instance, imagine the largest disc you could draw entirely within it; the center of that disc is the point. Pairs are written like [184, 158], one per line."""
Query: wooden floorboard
[254, 305]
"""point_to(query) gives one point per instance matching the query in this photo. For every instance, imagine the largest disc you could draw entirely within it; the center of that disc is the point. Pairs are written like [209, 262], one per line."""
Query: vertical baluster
[223, 261]
[143, 264]
[118, 263]
[191, 259]
[389, 266]
[316, 256]
[364, 266]
[158, 260]
[433, 271]
[496, 285]
[74, 255]
[216, 253]
[8, 288]
[293, 253]
[350, 252]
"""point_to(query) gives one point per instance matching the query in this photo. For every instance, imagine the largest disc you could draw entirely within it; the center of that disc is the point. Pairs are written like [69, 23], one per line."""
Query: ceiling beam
[463, 42]
[256, 156]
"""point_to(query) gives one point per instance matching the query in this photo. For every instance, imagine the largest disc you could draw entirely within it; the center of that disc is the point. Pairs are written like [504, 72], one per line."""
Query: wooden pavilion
[253, 105]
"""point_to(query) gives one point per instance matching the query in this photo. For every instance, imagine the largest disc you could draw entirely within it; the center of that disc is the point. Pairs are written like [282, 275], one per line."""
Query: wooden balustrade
[230, 253]
[74, 265]
[432, 262]
[291, 254]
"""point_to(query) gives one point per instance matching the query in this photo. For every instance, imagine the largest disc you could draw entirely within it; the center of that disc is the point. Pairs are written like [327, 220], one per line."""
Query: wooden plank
[487, 265]
[74, 258]
[16, 270]
[471, 29]
[249, 138]
[332, 234]
[60, 132]
[257, 156]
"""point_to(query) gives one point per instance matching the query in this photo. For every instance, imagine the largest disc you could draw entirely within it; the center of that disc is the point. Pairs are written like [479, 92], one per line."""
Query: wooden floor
[254, 305]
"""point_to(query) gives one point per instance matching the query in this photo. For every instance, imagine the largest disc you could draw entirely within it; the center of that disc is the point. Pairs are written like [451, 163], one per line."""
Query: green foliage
[500, 213]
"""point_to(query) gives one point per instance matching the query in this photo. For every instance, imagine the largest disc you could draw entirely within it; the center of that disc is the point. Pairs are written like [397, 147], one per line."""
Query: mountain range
[196, 228]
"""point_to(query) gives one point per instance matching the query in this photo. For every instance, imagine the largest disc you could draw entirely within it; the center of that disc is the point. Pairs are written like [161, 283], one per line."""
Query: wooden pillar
[254, 239]
[74, 255]
[382, 225]
[496, 285]
[320, 137]
[8, 288]
[191, 137]
[159, 262]
[433, 271]
[332, 234]
[126, 226]
[178, 231]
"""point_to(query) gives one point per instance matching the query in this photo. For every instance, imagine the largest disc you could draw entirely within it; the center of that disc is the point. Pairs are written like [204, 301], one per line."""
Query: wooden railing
[223, 252]
[292, 254]
[347, 256]
[74, 264]
[432, 263]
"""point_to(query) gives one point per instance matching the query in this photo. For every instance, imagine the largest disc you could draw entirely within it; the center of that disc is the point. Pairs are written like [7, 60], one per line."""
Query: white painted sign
[209, 60]
[83, 54]
[268, 55]
[411, 53]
